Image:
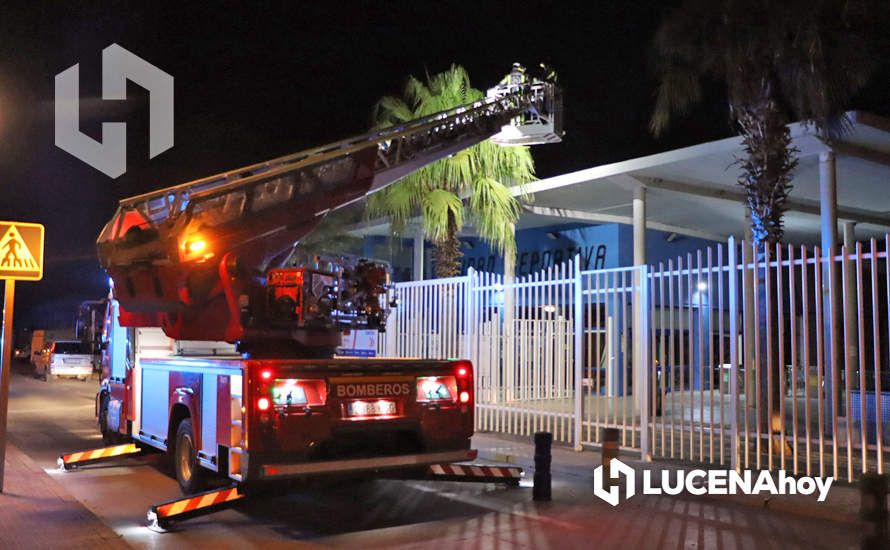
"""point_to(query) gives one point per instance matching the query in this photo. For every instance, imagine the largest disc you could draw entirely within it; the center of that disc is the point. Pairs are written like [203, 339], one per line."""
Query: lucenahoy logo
[710, 482]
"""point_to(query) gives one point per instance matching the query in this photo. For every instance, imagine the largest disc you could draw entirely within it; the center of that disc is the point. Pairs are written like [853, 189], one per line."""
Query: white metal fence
[612, 304]
[522, 345]
[776, 360]
[429, 321]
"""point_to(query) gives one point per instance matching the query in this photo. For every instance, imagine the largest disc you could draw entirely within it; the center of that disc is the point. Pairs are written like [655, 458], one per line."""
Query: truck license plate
[380, 407]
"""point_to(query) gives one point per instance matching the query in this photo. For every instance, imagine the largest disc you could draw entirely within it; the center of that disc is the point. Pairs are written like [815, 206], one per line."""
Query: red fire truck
[219, 353]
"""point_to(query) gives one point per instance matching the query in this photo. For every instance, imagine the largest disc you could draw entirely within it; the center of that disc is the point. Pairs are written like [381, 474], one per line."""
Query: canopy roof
[694, 190]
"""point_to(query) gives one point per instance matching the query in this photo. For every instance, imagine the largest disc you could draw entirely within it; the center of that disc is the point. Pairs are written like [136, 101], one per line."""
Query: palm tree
[779, 62]
[471, 185]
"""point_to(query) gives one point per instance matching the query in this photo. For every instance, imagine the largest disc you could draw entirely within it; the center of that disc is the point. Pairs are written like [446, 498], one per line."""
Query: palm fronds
[780, 62]
[471, 185]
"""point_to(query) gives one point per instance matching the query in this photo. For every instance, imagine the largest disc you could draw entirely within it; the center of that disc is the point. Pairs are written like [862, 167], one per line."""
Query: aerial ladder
[207, 262]
[204, 260]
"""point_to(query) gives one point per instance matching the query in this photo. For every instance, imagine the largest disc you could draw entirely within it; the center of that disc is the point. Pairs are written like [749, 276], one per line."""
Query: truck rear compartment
[261, 418]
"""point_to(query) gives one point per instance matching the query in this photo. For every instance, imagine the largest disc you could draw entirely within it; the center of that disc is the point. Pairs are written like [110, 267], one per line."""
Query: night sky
[256, 82]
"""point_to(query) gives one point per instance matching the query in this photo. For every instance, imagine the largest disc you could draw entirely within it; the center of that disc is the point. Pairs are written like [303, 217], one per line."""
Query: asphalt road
[49, 418]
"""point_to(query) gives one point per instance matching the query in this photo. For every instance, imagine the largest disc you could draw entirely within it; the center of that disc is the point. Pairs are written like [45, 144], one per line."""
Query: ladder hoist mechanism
[205, 260]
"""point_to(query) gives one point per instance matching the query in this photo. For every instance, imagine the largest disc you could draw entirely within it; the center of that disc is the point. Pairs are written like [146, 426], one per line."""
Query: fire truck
[219, 353]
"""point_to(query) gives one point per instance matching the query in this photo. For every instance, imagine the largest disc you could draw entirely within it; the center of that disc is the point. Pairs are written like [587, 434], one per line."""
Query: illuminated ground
[49, 418]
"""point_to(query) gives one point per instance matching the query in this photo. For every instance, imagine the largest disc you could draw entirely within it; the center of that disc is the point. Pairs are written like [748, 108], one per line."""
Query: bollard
[873, 510]
[610, 451]
[541, 490]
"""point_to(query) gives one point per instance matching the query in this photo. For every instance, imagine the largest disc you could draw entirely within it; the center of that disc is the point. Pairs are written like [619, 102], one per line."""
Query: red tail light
[464, 372]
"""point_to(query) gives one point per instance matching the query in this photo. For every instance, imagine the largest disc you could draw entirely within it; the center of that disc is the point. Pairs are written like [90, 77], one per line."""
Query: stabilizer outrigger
[161, 517]
[72, 461]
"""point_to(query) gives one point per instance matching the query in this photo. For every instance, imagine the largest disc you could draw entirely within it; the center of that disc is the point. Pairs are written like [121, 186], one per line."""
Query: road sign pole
[21, 258]
[5, 366]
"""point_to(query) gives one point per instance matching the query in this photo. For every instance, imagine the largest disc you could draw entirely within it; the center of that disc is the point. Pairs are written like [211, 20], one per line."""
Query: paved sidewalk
[36, 512]
[842, 504]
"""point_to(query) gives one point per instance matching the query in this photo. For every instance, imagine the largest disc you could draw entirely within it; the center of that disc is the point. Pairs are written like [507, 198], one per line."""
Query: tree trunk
[447, 252]
[768, 394]
[766, 177]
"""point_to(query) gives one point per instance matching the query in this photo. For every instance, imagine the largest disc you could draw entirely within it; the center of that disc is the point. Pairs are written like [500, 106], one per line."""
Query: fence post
[394, 326]
[468, 318]
[733, 354]
[641, 341]
[578, 355]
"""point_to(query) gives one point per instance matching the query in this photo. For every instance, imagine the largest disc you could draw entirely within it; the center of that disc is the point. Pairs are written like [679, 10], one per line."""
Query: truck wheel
[109, 437]
[189, 473]
[103, 419]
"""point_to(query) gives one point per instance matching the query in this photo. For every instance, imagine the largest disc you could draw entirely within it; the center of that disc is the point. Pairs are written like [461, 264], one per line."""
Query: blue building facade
[599, 247]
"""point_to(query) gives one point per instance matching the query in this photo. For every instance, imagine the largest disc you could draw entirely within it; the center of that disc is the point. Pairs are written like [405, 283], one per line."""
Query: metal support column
[639, 219]
[418, 255]
[828, 222]
[640, 340]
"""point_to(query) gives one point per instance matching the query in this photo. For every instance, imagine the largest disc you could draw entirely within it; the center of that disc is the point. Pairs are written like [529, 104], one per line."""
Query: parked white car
[70, 358]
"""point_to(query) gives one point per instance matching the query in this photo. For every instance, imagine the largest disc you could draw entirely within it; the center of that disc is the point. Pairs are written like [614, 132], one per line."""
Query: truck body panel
[319, 415]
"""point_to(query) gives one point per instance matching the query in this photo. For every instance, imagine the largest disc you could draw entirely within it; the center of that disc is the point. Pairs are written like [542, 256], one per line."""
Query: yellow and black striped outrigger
[73, 460]
[161, 516]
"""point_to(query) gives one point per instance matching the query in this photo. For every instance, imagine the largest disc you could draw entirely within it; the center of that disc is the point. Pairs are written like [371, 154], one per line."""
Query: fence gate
[430, 320]
[613, 359]
[522, 345]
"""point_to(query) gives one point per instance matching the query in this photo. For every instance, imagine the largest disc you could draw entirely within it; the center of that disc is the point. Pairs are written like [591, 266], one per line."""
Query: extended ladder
[154, 227]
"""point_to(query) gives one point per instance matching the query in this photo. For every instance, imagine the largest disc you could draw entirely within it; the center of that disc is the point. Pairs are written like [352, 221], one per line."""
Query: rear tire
[109, 437]
[189, 473]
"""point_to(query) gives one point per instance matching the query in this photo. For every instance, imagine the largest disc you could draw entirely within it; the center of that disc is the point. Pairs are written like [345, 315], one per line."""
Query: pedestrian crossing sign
[21, 251]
